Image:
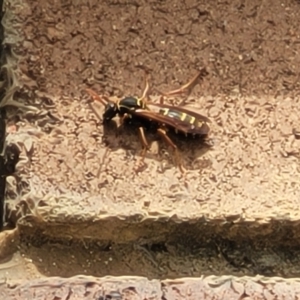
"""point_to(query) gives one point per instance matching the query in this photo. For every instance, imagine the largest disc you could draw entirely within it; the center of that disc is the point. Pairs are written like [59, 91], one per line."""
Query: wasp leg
[96, 97]
[186, 87]
[169, 142]
[146, 90]
[123, 118]
[143, 139]
[161, 100]
[145, 147]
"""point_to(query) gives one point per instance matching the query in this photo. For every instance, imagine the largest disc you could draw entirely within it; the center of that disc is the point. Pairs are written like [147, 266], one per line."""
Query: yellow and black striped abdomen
[188, 123]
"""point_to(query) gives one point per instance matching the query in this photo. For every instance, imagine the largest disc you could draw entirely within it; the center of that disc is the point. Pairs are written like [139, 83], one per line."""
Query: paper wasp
[159, 117]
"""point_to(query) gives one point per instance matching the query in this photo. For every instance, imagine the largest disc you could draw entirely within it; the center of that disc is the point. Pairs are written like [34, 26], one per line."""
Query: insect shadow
[126, 137]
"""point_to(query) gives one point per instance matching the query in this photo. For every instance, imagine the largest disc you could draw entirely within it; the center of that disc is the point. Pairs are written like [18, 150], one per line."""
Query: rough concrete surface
[250, 96]
[75, 179]
[87, 287]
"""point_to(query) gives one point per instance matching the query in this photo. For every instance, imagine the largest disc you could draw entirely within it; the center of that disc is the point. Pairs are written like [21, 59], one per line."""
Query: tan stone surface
[83, 287]
[76, 179]
[228, 287]
[87, 287]
[66, 172]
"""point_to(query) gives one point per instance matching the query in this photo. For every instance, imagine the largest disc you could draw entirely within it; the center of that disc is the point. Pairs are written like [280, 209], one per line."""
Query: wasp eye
[110, 106]
[110, 111]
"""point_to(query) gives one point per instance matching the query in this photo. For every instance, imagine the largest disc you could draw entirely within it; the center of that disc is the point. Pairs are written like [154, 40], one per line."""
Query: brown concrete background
[251, 94]
[251, 47]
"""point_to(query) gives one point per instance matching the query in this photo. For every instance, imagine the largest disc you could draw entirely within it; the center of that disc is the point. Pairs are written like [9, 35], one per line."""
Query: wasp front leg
[123, 118]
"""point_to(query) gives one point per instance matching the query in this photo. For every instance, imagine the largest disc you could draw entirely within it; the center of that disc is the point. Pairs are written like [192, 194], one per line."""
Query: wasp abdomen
[184, 117]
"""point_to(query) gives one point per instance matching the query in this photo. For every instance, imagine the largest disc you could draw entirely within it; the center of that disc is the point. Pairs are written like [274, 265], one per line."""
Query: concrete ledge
[138, 228]
[87, 287]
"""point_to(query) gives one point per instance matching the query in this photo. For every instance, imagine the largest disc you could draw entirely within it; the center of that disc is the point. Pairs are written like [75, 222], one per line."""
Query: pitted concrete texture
[72, 170]
[87, 287]
[76, 180]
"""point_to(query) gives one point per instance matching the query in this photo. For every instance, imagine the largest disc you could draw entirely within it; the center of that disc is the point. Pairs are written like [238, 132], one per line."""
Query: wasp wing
[177, 124]
[178, 109]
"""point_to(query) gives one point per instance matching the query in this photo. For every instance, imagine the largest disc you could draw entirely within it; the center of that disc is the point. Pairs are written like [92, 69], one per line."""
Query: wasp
[159, 117]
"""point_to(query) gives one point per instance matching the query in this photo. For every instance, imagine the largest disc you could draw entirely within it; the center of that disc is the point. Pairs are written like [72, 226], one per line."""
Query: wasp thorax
[129, 104]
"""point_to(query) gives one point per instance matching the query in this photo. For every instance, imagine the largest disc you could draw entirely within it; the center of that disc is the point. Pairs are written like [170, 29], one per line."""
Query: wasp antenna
[95, 96]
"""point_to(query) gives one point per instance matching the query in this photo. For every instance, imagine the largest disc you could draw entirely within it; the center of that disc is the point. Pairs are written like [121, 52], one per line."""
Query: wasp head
[111, 110]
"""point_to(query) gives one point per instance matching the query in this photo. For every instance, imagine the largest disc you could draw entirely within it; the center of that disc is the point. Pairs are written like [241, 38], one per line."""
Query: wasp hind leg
[169, 142]
[186, 87]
